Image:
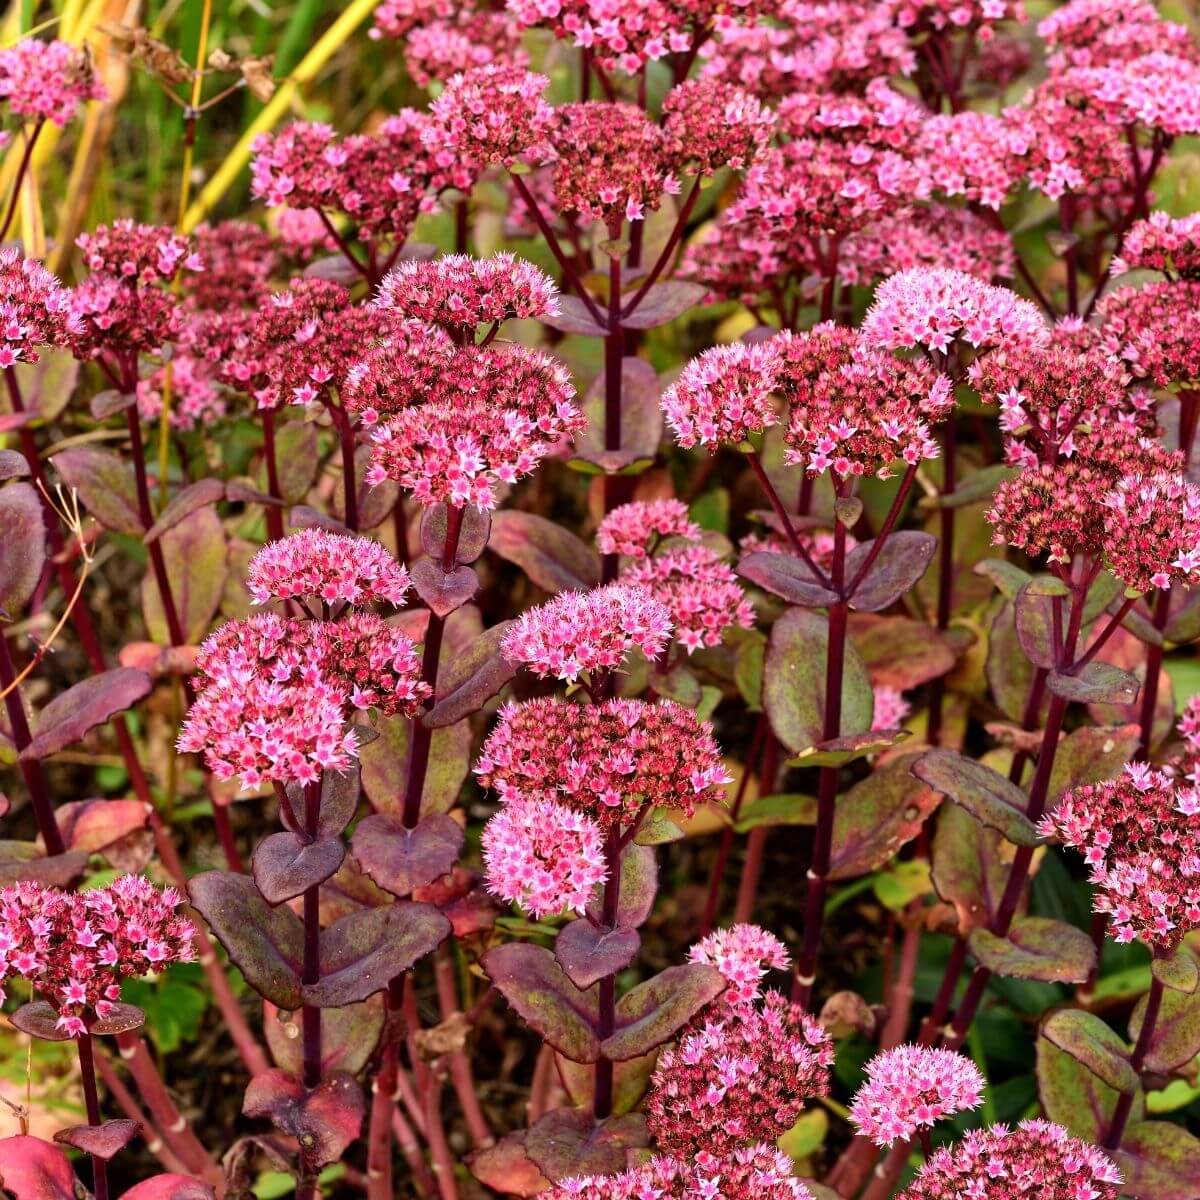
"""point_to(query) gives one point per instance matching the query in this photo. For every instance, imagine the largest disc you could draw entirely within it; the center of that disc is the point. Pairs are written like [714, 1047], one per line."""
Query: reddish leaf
[1091, 754]
[123, 1018]
[1088, 1040]
[323, 1121]
[969, 870]
[787, 576]
[473, 535]
[1036, 948]
[653, 1012]
[26, 860]
[639, 886]
[630, 1080]
[984, 793]
[663, 303]
[39, 1020]
[553, 557]
[105, 484]
[1034, 613]
[71, 714]
[573, 316]
[31, 1169]
[170, 1187]
[471, 679]
[905, 557]
[12, 465]
[91, 825]
[505, 1167]
[530, 979]
[443, 593]
[385, 767]
[349, 1036]
[339, 798]
[899, 652]
[22, 546]
[1097, 683]
[401, 860]
[570, 1141]
[1160, 1161]
[587, 952]
[1074, 1097]
[195, 552]
[287, 865]
[641, 420]
[102, 1141]
[201, 494]
[1176, 1039]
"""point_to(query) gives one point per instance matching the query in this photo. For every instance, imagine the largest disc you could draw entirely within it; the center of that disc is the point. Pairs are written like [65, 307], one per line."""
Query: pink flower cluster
[911, 1088]
[699, 590]
[611, 760]
[407, 367]
[239, 259]
[1153, 534]
[457, 291]
[944, 15]
[976, 155]
[35, 309]
[1158, 91]
[1155, 330]
[709, 124]
[580, 632]
[758, 1172]
[47, 81]
[1162, 243]
[739, 1079]
[196, 400]
[545, 856]
[723, 396]
[743, 954]
[634, 529]
[440, 49]
[274, 694]
[75, 948]
[935, 307]
[1036, 1158]
[137, 254]
[1098, 33]
[491, 114]
[331, 567]
[398, 18]
[890, 709]
[1139, 835]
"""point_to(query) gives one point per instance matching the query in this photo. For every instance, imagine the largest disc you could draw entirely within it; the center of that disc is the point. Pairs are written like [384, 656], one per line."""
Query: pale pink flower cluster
[759, 1172]
[579, 632]
[75, 948]
[739, 1078]
[458, 292]
[1162, 243]
[976, 155]
[709, 124]
[1153, 531]
[491, 114]
[890, 709]
[1155, 329]
[441, 49]
[743, 954]
[545, 856]
[723, 396]
[612, 760]
[137, 254]
[47, 81]
[398, 18]
[980, 15]
[1098, 33]
[1189, 724]
[334, 568]
[935, 307]
[634, 529]
[911, 1088]
[35, 309]
[196, 400]
[1157, 91]
[699, 590]
[1037, 1158]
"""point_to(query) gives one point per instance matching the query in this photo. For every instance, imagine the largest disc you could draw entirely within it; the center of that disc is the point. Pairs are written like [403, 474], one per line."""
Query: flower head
[609, 760]
[75, 948]
[491, 114]
[1155, 330]
[1163, 243]
[976, 155]
[239, 259]
[331, 567]
[699, 589]
[398, 18]
[743, 954]
[35, 310]
[1153, 534]
[47, 81]
[588, 631]
[459, 292]
[890, 709]
[196, 400]
[1036, 1158]
[542, 855]
[1097, 33]
[912, 1088]
[634, 529]
[741, 1078]
[409, 366]
[709, 124]
[724, 395]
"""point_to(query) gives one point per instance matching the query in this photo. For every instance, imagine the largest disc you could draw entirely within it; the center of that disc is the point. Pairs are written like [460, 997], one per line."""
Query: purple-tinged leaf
[104, 1141]
[570, 1141]
[1091, 754]
[32, 1169]
[1176, 1038]
[239, 492]
[630, 1081]
[530, 979]
[121, 1018]
[639, 886]
[969, 867]
[266, 944]
[1072, 1096]
[323, 1121]
[12, 465]
[553, 557]
[505, 1167]
[587, 952]
[168, 1186]
[48, 384]
[27, 861]
[787, 576]
[333, 268]
[1009, 673]
[641, 421]
[287, 865]
[195, 551]
[401, 860]
[340, 792]
[22, 546]
[663, 303]
[71, 714]
[349, 1036]
[473, 534]
[1034, 613]
[1160, 1161]
[385, 767]
[1008, 577]
[472, 678]
[984, 793]
[1096, 683]
[655, 1011]
[91, 825]
[794, 682]
[1179, 971]
[837, 752]
[573, 317]
[105, 484]
[899, 652]
[905, 557]
[109, 402]
[362, 951]
[443, 593]
[39, 1020]
[202, 494]
[846, 1013]
[1036, 948]
[1093, 1044]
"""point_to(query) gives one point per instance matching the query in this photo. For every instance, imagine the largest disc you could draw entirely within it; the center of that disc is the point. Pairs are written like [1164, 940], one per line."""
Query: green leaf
[1073, 1096]
[1160, 1161]
[984, 793]
[1087, 1039]
[1037, 948]
[783, 808]
[902, 883]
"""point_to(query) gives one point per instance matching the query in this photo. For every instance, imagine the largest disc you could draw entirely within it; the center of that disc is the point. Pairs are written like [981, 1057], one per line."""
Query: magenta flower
[459, 292]
[239, 260]
[1155, 330]
[634, 529]
[1037, 1158]
[410, 366]
[890, 708]
[545, 856]
[330, 567]
[47, 81]
[196, 400]
[911, 1088]
[35, 310]
[977, 155]
[709, 124]
[1162, 243]
[1153, 531]
[580, 632]
[724, 395]
[75, 948]
[398, 18]
[440, 49]
[743, 954]
[1095, 33]
[611, 760]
